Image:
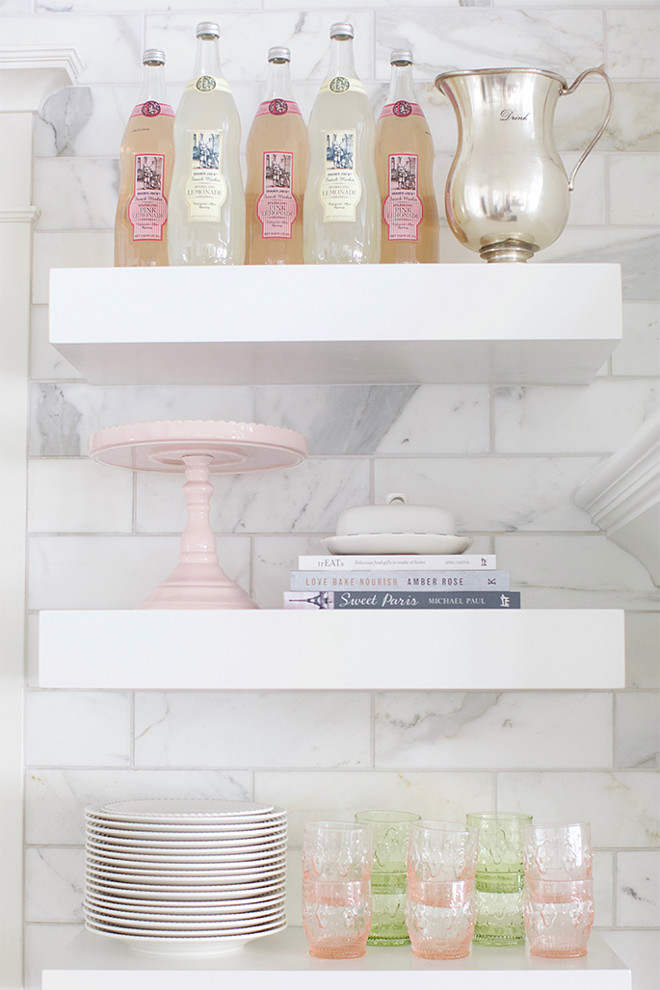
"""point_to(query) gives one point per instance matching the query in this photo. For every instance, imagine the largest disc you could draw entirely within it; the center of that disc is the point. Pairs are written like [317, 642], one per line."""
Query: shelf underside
[469, 649]
[282, 962]
[337, 324]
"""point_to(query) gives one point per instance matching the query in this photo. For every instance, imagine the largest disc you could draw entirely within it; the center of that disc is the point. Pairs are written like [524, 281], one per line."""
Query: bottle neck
[278, 82]
[342, 62]
[153, 84]
[207, 57]
[401, 83]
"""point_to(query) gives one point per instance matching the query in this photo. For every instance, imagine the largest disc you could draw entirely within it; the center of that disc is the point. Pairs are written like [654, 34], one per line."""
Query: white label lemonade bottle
[342, 208]
[207, 200]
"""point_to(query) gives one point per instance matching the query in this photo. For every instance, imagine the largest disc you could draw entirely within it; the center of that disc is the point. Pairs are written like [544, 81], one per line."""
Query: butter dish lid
[396, 516]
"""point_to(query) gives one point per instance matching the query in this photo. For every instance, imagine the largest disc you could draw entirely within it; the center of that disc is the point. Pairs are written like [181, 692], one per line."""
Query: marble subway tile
[61, 117]
[480, 729]
[273, 558]
[603, 873]
[565, 41]
[45, 361]
[636, 250]
[640, 952]
[42, 943]
[110, 48]
[643, 649]
[587, 201]
[350, 419]
[595, 418]
[496, 493]
[439, 419]
[576, 571]
[77, 728]
[54, 884]
[638, 889]
[634, 184]
[637, 730]
[68, 249]
[623, 807]
[67, 495]
[335, 794]
[75, 193]
[55, 800]
[632, 47]
[639, 351]
[62, 416]
[105, 572]
[634, 123]
[252, 729]
[100, 6]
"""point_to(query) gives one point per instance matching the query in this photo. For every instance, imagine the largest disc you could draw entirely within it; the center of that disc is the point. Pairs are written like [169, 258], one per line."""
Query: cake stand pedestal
[198, 449]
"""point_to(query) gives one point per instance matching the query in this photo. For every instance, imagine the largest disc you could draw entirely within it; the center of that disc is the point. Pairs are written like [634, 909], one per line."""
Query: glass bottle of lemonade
[277, 157]
[207, 199]
[404, 162]
[341, 222]
[146, 157]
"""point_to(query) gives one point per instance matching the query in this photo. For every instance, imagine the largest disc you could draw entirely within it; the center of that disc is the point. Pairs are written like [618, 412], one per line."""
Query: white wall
[506, 460]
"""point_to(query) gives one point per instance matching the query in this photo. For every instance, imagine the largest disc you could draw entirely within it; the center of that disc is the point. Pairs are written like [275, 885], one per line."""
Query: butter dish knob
[396, 497]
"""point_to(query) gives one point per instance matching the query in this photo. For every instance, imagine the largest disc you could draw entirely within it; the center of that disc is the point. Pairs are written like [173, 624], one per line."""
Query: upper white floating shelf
[234, 649]
[338, 324]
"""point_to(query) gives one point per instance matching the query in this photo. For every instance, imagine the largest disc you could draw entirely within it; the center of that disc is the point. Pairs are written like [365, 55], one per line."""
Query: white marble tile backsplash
[505, 460]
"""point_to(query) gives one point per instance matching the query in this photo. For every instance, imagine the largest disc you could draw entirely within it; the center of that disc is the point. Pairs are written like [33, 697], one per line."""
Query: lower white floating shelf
[521, 649]
[282, 962]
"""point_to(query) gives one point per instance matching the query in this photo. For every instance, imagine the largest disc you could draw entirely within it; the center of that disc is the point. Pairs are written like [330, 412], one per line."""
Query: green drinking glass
[499, 878]
[388, 874]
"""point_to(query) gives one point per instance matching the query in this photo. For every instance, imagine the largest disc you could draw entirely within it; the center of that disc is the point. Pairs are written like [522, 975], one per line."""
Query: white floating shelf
[315, 650]
[337, 324]
[282, 962]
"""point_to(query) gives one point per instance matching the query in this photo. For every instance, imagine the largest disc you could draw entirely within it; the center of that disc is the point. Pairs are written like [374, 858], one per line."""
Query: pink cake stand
[198, 448]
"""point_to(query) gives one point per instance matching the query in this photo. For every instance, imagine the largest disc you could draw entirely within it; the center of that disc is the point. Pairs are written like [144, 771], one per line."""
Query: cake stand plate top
[231, 447]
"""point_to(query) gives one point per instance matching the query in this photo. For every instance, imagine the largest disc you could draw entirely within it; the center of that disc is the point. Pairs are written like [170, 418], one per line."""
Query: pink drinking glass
[558, 917]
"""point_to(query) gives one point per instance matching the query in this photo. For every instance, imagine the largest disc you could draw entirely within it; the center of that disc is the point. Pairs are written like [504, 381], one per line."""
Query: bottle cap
[401, 55]
[279, 54]
[208, 29]
[342, 31]
[153, 56]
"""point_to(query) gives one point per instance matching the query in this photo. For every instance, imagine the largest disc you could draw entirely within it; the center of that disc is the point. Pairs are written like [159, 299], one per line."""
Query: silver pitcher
[507, 192]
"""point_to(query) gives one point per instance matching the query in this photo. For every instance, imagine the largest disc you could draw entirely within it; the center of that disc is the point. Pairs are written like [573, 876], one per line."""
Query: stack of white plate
[185, 876]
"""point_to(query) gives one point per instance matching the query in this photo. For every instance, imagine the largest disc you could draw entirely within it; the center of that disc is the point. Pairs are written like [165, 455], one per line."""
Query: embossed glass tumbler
[499, 877]
[558, 905]
[388, 875]
[337, 858]
[441, 902]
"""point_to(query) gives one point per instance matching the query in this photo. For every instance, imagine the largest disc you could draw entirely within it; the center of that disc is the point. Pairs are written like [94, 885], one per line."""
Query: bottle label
[208, 84]
[402, 209]
[341, 189]
[277, 107]
[206, 186]
[342, 84]
[147, 210]
[277, 207]
[152, 108]
[402, 108]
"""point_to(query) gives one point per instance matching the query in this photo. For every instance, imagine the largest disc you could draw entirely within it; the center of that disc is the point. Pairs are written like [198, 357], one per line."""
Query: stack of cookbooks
[400, 581]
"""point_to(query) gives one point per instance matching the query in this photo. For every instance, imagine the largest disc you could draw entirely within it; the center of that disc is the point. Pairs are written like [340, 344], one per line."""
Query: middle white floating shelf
[521, 649]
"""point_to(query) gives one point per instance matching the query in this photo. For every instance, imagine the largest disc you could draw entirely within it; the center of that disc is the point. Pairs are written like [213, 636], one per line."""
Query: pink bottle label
[147, 210]
[277, 107]
[277, 207]
[402, 108]
[152, 109]
[402, 209]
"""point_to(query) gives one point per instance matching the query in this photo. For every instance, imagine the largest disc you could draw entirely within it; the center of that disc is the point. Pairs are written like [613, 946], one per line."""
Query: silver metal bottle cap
[342, 31]
[153, 56]
[401, 55]
[279, 54]
[208, 29]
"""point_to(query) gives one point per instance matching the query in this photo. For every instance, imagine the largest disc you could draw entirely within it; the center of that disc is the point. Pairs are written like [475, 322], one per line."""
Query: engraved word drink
[146, 157]
[207, 201]
[277, 158]
[342, 207]
[404, 162]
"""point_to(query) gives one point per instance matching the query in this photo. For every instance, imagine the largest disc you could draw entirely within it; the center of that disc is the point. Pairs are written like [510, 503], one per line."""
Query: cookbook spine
[401, 600]
[397, 562]
[400, 580]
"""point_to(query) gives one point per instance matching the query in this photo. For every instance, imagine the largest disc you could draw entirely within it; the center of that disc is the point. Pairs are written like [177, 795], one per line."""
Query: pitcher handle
[599, 71]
